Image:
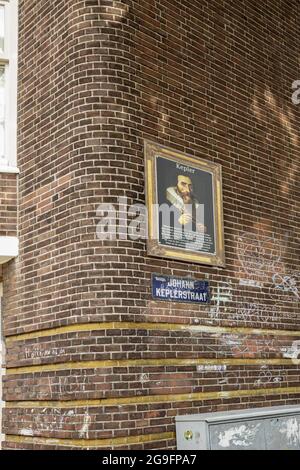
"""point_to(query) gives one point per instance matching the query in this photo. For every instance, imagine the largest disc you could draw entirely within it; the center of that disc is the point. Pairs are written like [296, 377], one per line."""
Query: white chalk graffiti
[144, 378]
[26, 432]
[228, 378]
[52, 419]
[266, 376]
[249, 310]
[222, 295]
[38, 352]
[285, 287]
[241, 436]
[56, 419]
[231, 345]
[72, 384]
[258, 255]
[211, 368]
[251, 283]
[293, 351]
[62, 385]
[291, 428]
[84, 431]
[260, 260]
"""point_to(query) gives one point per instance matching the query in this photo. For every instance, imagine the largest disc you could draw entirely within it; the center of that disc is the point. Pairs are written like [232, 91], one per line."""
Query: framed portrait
[184, 202]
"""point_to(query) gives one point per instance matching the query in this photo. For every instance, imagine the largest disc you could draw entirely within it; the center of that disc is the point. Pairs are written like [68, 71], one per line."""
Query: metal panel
[191, 435]
[239, 415]
[238, 435]
[283, 433]
[252, 429]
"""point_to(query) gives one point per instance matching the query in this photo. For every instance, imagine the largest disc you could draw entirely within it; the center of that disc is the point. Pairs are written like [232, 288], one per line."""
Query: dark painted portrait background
[167, 172]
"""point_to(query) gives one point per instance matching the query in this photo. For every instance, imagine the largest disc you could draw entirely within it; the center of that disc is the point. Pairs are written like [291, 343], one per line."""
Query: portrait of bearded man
[187, 207]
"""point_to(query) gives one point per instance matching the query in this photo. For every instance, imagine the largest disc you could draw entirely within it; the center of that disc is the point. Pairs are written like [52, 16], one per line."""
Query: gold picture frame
[163, 165]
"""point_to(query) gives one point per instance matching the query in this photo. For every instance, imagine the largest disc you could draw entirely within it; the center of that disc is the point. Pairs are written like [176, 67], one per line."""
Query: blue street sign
[180, 289]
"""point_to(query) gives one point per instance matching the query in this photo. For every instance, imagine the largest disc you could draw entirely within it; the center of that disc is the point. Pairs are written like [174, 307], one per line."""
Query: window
[8, 82]
[2, 114]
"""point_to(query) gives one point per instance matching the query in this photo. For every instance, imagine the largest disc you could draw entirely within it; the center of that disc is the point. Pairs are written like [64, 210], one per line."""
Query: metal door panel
[283, 433]
[239, 435]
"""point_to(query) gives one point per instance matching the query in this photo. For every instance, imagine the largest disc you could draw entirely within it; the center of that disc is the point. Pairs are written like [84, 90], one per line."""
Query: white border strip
[9, 248]
[9, 169]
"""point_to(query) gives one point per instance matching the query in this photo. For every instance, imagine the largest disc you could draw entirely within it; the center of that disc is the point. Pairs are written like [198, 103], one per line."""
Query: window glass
[2, 29]
[8, 81]
[2, 115]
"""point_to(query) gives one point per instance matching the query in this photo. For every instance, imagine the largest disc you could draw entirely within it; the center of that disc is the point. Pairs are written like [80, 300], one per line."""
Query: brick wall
[8, 205]
[92, 360]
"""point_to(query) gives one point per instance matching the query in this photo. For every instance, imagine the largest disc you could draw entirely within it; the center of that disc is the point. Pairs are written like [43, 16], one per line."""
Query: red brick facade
[92, 360]
[8, 205]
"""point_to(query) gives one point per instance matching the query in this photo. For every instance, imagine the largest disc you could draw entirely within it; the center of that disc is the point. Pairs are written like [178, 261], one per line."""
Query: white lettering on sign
[181, 283]
[185, 169]
[177, 294]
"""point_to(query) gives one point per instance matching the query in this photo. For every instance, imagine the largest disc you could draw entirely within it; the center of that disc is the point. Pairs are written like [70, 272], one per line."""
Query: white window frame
[9, 59]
